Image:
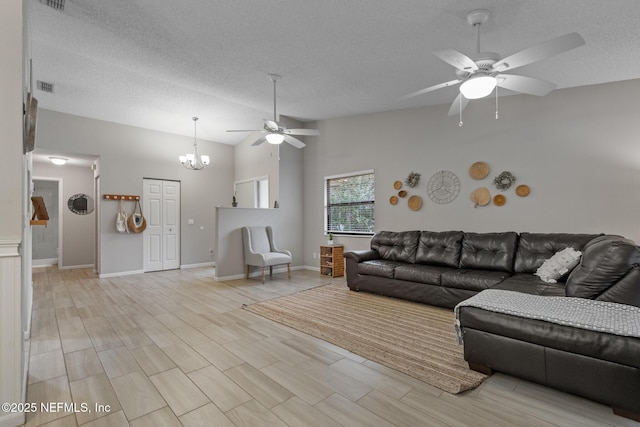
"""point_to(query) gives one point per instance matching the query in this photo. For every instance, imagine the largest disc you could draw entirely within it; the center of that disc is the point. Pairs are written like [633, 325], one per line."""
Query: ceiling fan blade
[294, 141]
[540, 51]
[431, 88]
[246, 130]
[455, 106]
[259, 141]
[525, 84]
[457, 59]
[310, 132]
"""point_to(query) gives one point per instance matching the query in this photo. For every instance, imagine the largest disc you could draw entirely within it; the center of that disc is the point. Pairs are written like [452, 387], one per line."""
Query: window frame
[326, 203]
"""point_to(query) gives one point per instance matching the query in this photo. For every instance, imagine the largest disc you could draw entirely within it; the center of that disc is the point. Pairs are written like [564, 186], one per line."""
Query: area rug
[416, 339]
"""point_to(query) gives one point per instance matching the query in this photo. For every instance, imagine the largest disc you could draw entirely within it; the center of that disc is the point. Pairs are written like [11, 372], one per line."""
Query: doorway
[45, 240]
[161, 207]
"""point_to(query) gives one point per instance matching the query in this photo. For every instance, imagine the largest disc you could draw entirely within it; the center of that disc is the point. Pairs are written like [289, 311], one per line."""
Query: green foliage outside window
[350, 204]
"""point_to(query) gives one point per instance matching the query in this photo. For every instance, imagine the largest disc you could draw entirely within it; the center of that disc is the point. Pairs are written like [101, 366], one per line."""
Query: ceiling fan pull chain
[496, 102]
[460, 103]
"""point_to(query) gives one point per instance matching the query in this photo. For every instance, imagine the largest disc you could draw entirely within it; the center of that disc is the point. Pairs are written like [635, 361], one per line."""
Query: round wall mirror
[80, 204]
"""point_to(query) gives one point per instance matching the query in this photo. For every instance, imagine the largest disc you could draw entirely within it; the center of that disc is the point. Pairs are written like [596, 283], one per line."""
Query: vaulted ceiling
[156, 63]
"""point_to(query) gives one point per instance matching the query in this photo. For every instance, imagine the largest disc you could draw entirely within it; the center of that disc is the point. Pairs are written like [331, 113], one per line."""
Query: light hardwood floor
[175, 348]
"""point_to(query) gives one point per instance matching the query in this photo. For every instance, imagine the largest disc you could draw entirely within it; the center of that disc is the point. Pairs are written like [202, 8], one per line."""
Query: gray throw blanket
[609, 317]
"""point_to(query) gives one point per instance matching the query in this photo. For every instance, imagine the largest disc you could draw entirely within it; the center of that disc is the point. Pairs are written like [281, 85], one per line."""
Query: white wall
[129, 154]
[576, 148]
[12, 293]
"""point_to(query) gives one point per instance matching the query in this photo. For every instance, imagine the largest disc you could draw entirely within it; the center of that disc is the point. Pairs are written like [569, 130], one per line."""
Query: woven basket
[415, 203]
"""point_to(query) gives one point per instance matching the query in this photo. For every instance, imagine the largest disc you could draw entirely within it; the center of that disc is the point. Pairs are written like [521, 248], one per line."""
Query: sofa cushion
[439, 248]
[377, 267]
[396, 246]
[475, 280]
[530, 284]
[605, 260]
[429, 274]
[558, 265]
[489, 251]
[535, 248]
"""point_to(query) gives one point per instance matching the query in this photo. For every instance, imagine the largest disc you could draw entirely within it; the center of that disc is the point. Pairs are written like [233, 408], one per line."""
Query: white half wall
[287, 220]
[576, 148]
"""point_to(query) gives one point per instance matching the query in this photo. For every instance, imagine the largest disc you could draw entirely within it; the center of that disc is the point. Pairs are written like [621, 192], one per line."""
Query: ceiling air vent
[54, 4]
[44, 86]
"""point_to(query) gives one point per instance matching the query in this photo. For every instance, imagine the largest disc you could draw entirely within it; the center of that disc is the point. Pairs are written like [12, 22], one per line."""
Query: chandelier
[194, 161]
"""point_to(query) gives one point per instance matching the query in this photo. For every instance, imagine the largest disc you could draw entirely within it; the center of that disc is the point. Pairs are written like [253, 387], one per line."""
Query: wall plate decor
[479, 170]
[414, 203]
[393, 200]
[80, 204]
[443, 187]
[523, 190]
[499, 200]
[504, 181]
[397, 185]
[402, 193]
[480, 197]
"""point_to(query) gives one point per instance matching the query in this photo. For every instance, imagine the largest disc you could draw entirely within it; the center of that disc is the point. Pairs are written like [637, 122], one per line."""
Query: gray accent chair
[261, 251]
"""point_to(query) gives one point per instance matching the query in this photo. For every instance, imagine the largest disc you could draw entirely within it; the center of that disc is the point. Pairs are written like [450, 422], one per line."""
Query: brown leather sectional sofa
[445, 268]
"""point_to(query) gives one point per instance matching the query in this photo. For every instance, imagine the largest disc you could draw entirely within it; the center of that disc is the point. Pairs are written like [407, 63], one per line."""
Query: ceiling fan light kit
[478, 86]
[274, 138]
[482, 73]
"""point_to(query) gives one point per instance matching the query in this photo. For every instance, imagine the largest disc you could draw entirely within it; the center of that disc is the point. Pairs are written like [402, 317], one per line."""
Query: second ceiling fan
[274, 132]
[481, 73]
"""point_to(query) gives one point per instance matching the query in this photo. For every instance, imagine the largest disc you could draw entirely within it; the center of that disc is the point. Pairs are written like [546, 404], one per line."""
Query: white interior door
[161, 206]
[171, 225]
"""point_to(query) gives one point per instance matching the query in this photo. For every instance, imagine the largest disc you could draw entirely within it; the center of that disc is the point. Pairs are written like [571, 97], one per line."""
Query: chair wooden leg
[271, 271]
[263, 275]
[289, 270]
[247, 276]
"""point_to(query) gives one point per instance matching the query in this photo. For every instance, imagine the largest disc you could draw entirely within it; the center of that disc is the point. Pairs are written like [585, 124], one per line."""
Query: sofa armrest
[364, 255]
[626, 290]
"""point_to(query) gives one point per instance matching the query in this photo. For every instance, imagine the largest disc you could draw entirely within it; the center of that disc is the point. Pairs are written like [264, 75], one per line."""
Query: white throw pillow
[558, 265]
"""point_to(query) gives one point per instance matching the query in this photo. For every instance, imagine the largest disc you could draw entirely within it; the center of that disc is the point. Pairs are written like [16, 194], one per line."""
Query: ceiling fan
[276, 133]
[479, 74]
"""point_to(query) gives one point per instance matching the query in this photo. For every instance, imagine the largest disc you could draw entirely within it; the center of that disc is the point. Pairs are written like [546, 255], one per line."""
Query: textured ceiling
[156, 63]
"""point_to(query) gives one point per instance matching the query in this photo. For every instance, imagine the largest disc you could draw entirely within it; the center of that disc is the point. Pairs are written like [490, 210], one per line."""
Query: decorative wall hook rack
[120, 197]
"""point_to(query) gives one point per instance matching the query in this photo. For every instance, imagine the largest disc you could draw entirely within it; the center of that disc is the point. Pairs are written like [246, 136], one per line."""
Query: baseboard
[120, 273]
[311, 267]
[48, 262]
[203, 264]
[75, 267]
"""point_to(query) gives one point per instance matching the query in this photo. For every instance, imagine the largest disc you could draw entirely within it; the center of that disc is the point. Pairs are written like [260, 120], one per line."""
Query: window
[349, 203]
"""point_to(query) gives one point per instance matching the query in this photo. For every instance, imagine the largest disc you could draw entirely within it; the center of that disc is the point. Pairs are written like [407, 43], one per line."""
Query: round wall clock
[443, 187]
